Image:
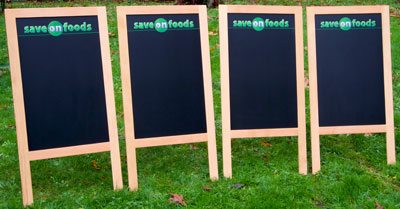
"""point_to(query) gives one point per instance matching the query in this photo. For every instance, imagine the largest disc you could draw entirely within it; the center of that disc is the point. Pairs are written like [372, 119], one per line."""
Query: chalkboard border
[131, 142]
[227, 133]
[26, 156]
[316, 130]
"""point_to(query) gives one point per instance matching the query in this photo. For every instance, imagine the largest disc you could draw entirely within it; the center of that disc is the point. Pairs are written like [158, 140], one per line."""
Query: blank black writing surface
[166, 75]
[62, 80]
[262, 71]
[350, 69]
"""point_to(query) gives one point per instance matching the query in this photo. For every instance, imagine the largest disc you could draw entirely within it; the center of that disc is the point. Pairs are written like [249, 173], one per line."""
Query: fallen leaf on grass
[395, 13]
[177, 199]
[206, 188]
[193, 147]
[266, 144]
[95, 166]
[319, 204]
[378, 206]
[306, 82]
[111, 34]
[212, 33]
[238, 186]
[12, 126]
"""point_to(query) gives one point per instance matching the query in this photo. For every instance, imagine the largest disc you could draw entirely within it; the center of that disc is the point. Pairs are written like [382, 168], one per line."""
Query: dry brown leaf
[177, 199]
[266, 144]
[206, 188]
[378, 206]
[193, 147]
[95, 165]
[212, 33]
[395, 13]
[306, 82]
[11, 126]
[111, 34]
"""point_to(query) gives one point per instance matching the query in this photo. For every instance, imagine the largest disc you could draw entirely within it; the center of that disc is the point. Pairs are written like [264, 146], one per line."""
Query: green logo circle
[258, 24]
[345, 23]
[161, 25]
[55, 28]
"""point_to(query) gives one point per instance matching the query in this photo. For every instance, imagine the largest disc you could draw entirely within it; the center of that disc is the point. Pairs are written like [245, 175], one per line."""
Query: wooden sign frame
[316, 130]
[227, 133]
[26, 156]
[131, 142]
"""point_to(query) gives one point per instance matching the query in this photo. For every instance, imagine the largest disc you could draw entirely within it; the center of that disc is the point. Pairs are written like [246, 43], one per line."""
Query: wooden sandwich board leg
[315, 152]
[225, 107]
[301, 104]
[127, 97]
[390, 147]
[212, 157]
[302, 135]
[314, 121]
[227, 155]
[205, 51]
[26, 182]
[110, 101]
[302, 149]
[19, 111]
[132, 167]
[116, 167]
[387, 66]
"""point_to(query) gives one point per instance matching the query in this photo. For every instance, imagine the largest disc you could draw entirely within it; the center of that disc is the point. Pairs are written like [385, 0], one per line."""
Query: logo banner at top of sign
[348, 22]
[57, 26]
[162, 23]
[261, 22]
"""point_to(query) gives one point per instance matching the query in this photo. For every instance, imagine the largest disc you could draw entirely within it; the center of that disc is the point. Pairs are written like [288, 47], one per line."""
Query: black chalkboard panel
[350, 69]
[262, 72]
[62, 81]
[166, 75]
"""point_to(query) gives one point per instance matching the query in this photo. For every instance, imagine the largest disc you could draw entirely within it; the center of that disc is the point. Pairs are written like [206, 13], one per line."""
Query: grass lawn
[354, 171]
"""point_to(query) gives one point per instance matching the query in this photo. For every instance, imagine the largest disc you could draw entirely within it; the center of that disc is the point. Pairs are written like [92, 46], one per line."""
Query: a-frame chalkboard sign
[166, 80]
[262, 76]
[350, 74]
[62, 86]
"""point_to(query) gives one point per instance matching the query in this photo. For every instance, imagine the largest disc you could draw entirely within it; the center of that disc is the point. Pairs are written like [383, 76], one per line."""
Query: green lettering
[336, 24]
[235, 23]
[44, 29]
[77, 27]
[38, 29]
[83, 26]
[31, 29]
[136, 25]
[248, 23]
